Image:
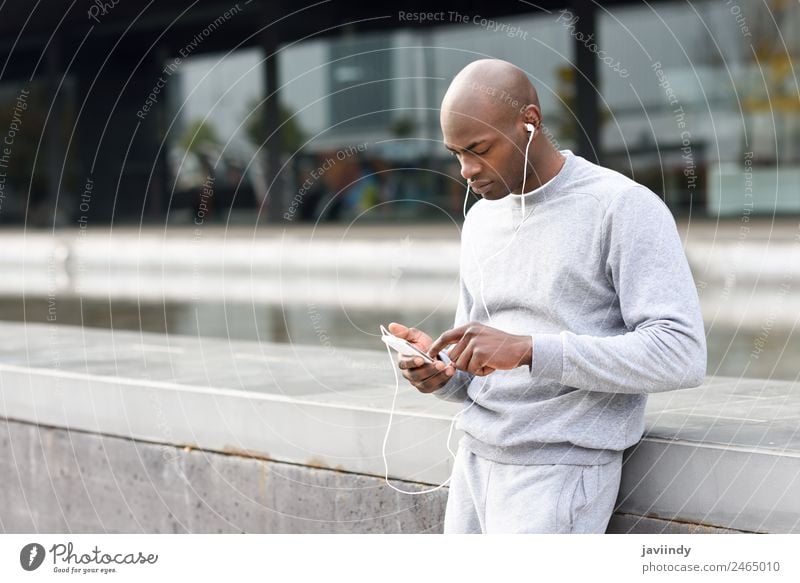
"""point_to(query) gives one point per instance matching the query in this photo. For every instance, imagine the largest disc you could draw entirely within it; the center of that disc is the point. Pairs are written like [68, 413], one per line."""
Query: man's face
[488, 154]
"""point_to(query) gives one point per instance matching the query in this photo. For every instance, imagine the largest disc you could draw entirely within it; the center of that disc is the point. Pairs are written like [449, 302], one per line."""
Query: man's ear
[531, 115]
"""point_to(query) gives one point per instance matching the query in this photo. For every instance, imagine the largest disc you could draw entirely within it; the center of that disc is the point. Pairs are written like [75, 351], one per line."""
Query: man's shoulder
[604, 184]
[615, 192]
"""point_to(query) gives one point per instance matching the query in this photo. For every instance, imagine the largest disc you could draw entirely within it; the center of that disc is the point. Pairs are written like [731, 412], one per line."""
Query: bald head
[484, 119]
[488, 91]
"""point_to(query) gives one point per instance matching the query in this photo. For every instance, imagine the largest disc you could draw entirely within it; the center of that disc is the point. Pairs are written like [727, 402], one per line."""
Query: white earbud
[532, 130]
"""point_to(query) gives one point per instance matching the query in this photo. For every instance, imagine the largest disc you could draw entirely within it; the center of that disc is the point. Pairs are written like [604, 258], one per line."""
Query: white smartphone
[407, 349]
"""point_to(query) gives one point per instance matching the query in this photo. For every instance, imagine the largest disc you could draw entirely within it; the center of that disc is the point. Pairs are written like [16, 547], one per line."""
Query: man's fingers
[412, 335]
[397, 329]
[426, 380]
[469, 361]
[417, 337]
[447, 338]
[406, 362]
[409, 362]
[432, 383]
[426, 377]
[455, 352]
[464, 360]
[421, 374]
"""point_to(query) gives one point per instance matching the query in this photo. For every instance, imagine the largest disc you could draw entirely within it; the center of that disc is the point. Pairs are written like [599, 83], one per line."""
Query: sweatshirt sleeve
[456, 388]
[665, 346]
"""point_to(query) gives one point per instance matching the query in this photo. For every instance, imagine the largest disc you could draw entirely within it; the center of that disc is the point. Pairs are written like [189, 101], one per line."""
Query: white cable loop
[488, 315]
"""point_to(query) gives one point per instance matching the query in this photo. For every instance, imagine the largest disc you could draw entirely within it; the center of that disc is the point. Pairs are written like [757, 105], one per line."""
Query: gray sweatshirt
[597, 276]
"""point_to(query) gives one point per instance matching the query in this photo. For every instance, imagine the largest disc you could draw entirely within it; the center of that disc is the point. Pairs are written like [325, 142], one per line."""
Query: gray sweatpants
[490, 497]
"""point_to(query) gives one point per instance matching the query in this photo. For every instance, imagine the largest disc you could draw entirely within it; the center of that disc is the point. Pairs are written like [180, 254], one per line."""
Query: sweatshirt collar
[547, 190]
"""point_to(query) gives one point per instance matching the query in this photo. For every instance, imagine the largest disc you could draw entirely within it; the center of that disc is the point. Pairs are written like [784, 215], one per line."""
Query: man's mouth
[480, 187]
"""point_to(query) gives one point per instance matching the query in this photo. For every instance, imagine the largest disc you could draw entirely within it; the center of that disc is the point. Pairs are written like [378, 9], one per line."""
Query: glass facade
[710, 111]
[380, 94]
[698, 101]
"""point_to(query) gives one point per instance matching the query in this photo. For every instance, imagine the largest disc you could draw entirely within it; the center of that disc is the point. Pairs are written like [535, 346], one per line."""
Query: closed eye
[454, 153]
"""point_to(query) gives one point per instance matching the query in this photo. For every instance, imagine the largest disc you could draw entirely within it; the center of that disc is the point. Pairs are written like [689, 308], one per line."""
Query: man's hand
[481, 350]
[425, 377]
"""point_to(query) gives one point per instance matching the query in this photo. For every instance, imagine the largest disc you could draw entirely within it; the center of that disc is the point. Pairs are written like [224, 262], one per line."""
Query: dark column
[159, 186]
[275, 203]
[54, 158]
[118, 136]
[586, 87]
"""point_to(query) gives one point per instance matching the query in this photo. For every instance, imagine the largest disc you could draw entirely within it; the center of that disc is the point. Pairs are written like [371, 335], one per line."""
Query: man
[569, 315]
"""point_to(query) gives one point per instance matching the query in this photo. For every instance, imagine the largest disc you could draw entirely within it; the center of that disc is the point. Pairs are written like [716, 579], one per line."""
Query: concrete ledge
[73, 482]
[722, 457]
[297, 404]
[57, 480]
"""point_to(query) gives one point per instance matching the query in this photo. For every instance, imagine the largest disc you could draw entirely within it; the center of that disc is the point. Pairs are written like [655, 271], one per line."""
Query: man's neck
[542, 167]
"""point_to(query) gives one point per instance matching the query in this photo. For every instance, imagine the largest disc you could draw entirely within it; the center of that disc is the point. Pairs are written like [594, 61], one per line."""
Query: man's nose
[469, 168]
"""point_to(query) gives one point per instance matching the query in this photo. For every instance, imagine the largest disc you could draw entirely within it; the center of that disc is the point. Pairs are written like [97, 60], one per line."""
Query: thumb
[398, 330]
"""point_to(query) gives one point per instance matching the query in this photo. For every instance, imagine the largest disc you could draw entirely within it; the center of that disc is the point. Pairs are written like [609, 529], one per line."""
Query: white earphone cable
[522, 220]
[488, 315]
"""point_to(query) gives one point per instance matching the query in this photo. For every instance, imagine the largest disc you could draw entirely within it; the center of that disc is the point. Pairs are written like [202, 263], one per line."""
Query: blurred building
[130, 109]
